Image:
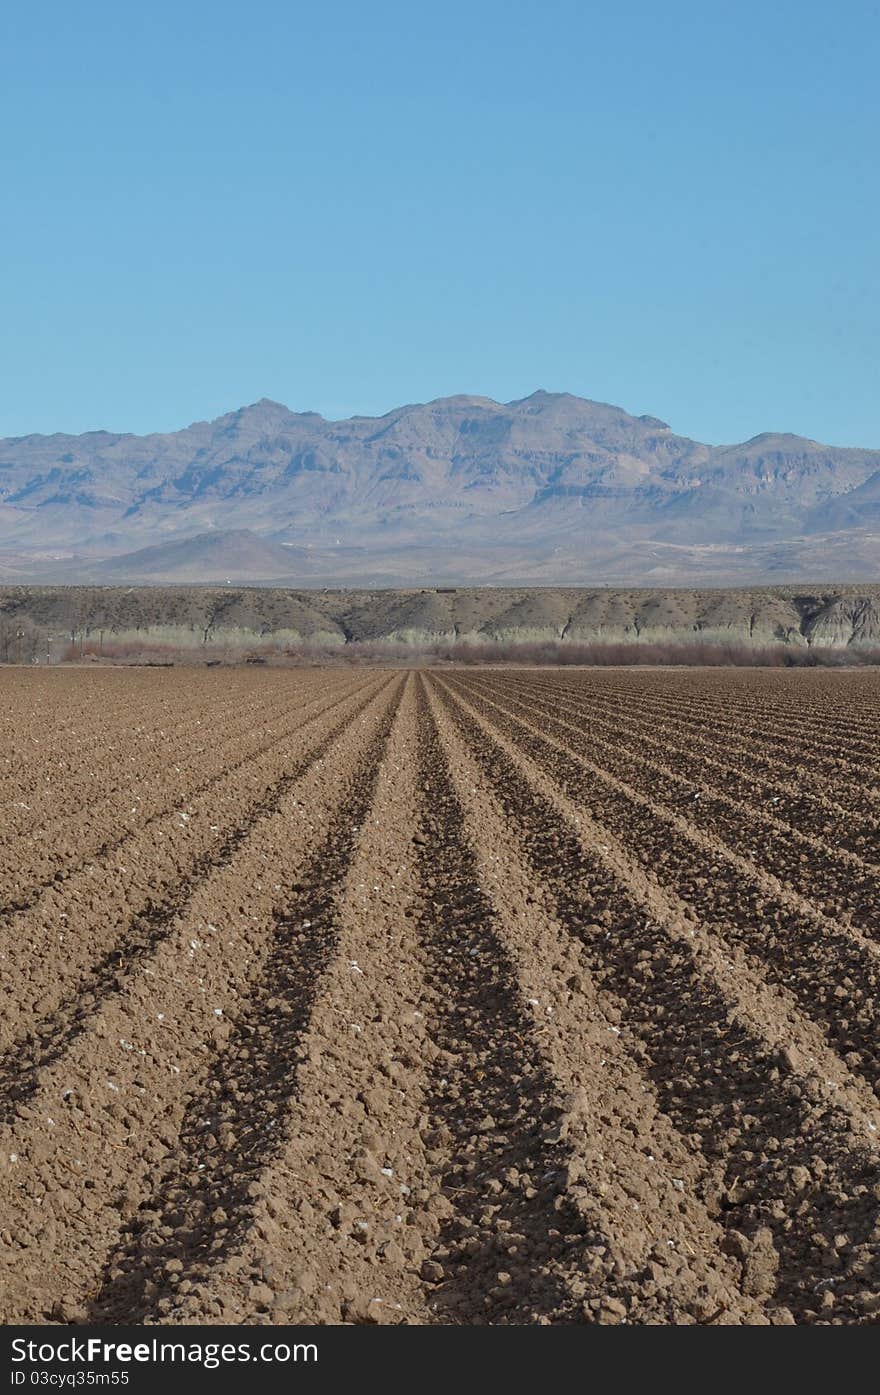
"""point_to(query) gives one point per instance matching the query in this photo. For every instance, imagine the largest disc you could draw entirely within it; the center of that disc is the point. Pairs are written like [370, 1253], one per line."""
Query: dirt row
[137, 762]
[832, 968]
[56, 741]
[746, 1080]
[793, 740]
[806, 802]
[441, 1008]
[805, 756]
[130, 895]
[189, 780]
[105, 1098]
[843, 880]
[832, 704]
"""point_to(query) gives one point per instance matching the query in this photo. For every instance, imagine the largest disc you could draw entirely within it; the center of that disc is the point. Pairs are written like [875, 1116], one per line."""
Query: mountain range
[549, 489]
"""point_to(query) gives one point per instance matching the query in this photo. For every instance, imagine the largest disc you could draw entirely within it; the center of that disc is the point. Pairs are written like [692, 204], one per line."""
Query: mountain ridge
[553, 487]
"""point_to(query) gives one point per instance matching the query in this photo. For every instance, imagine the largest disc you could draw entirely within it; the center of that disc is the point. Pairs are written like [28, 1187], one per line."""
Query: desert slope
[34, 619]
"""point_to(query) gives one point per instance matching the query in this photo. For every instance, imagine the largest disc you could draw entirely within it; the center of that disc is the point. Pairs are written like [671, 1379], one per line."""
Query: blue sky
[348, 206]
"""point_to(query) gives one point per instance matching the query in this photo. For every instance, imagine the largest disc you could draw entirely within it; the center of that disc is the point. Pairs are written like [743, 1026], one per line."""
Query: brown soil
[455, 997]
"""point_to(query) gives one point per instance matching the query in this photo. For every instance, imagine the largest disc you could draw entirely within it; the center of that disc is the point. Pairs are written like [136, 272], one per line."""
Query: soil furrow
[806, 813]
[833, 971]
[347, 1208]
[764, 1126]
[509, 1250]
[76, 1162]
[818, 724]
[148, 882]
[650, 1243]
[777, 704]
[450, 1227]
[783, 750]
[51, 781]
[469, 1220]
[29, 867]
[468, 996]
[49, 1037]
[229, 1131]
[836, 882]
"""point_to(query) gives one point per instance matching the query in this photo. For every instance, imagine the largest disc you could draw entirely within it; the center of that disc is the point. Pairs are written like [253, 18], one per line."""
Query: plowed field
[470, 996]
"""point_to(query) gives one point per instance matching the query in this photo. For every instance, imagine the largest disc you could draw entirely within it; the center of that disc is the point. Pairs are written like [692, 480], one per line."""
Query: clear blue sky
[348, 206]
